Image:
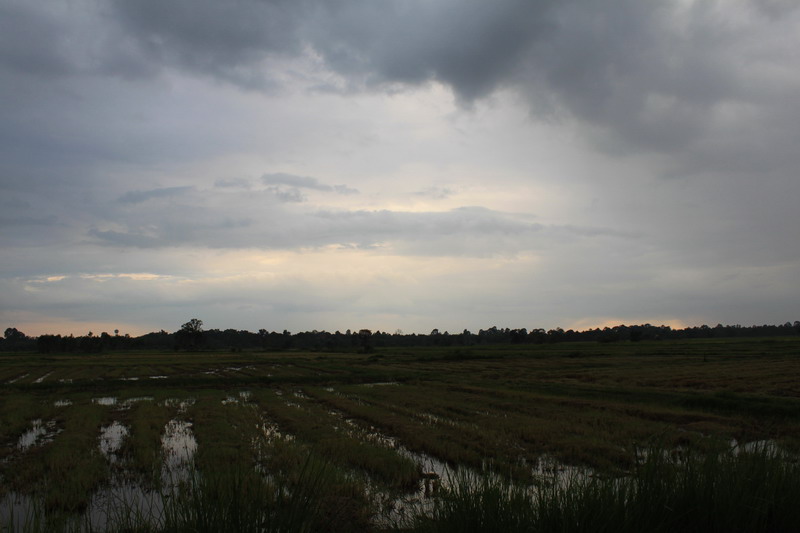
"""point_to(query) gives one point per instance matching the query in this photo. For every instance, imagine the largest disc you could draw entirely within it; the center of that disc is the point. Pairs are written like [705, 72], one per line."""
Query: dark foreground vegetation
[669, 435]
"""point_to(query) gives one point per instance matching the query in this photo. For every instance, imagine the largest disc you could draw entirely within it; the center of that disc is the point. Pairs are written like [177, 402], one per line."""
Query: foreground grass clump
[314, 499]
[751, 491]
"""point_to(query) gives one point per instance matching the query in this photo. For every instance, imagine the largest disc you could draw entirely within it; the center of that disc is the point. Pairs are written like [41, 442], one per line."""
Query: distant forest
[192, 337]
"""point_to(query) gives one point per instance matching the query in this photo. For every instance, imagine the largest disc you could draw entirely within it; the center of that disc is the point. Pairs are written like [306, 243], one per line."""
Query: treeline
[191, 336]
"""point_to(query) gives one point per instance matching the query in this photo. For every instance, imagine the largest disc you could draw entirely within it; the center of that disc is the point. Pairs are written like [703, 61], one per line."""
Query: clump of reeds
[750, 491]
[313, 499]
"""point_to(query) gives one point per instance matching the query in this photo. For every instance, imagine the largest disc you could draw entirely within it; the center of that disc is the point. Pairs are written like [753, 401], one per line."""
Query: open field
[363, 435]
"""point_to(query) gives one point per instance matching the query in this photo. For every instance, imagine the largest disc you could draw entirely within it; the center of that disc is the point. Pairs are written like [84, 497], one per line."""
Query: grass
[497, 408]
[749, 492]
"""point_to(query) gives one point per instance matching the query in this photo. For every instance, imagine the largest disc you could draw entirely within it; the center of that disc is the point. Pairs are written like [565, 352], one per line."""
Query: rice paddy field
[567, 437]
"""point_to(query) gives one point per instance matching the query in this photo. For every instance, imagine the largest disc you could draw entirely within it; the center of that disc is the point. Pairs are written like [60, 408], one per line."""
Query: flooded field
[100, 439]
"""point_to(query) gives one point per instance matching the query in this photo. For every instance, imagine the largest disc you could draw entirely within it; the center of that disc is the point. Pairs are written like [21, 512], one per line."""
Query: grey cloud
[304, 182]
[649, 76]
[225, 40]
[232, 183]
[290, 195]
[30, 41]
[127, 239]
[51, 39]
[280, 178]
[212, 231]
[49, 220]
[470, 45]
[435, 193]
[344, 189]
[289, 224]
[135, 197]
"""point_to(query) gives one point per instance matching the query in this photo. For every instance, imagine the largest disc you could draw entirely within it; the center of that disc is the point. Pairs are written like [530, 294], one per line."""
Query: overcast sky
[398, 164]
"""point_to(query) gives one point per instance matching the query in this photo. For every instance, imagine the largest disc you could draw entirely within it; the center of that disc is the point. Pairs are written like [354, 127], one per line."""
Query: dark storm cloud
[56, 39]
[224, 39]
[650, 75]
[469, 44]
[656, 76]
[30, 41]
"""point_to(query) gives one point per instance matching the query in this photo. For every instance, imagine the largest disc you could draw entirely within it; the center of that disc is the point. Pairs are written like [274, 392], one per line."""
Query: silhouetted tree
[365, 340]
[190, 336]
[13, 334]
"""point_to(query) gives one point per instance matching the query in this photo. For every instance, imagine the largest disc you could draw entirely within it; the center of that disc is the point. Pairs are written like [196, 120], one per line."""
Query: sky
[398, 164]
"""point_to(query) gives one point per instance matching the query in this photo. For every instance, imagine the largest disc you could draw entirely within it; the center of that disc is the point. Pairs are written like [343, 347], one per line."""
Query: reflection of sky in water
[178, 445]
[111, 438]
[181, 404]
[38, 434]
[105, 400]
[242, 397]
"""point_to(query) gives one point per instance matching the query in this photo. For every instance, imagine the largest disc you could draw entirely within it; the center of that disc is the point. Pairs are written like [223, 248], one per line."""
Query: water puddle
[126, 404]
[111, 401]
[111, 437]
[178, 446]
[380, 384]
[769, 447]
[42, 378]
[271, 432]
[239, 368]
[114, 504]
[434, 473]
[436, 419]
[182, 404]
[159, 377]
[122, 499]
[17, 509]
[62, 403]
[105, 400]
[242, 397]
[23, 376]
[551, 471]
[397, 510]
[40, 433]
